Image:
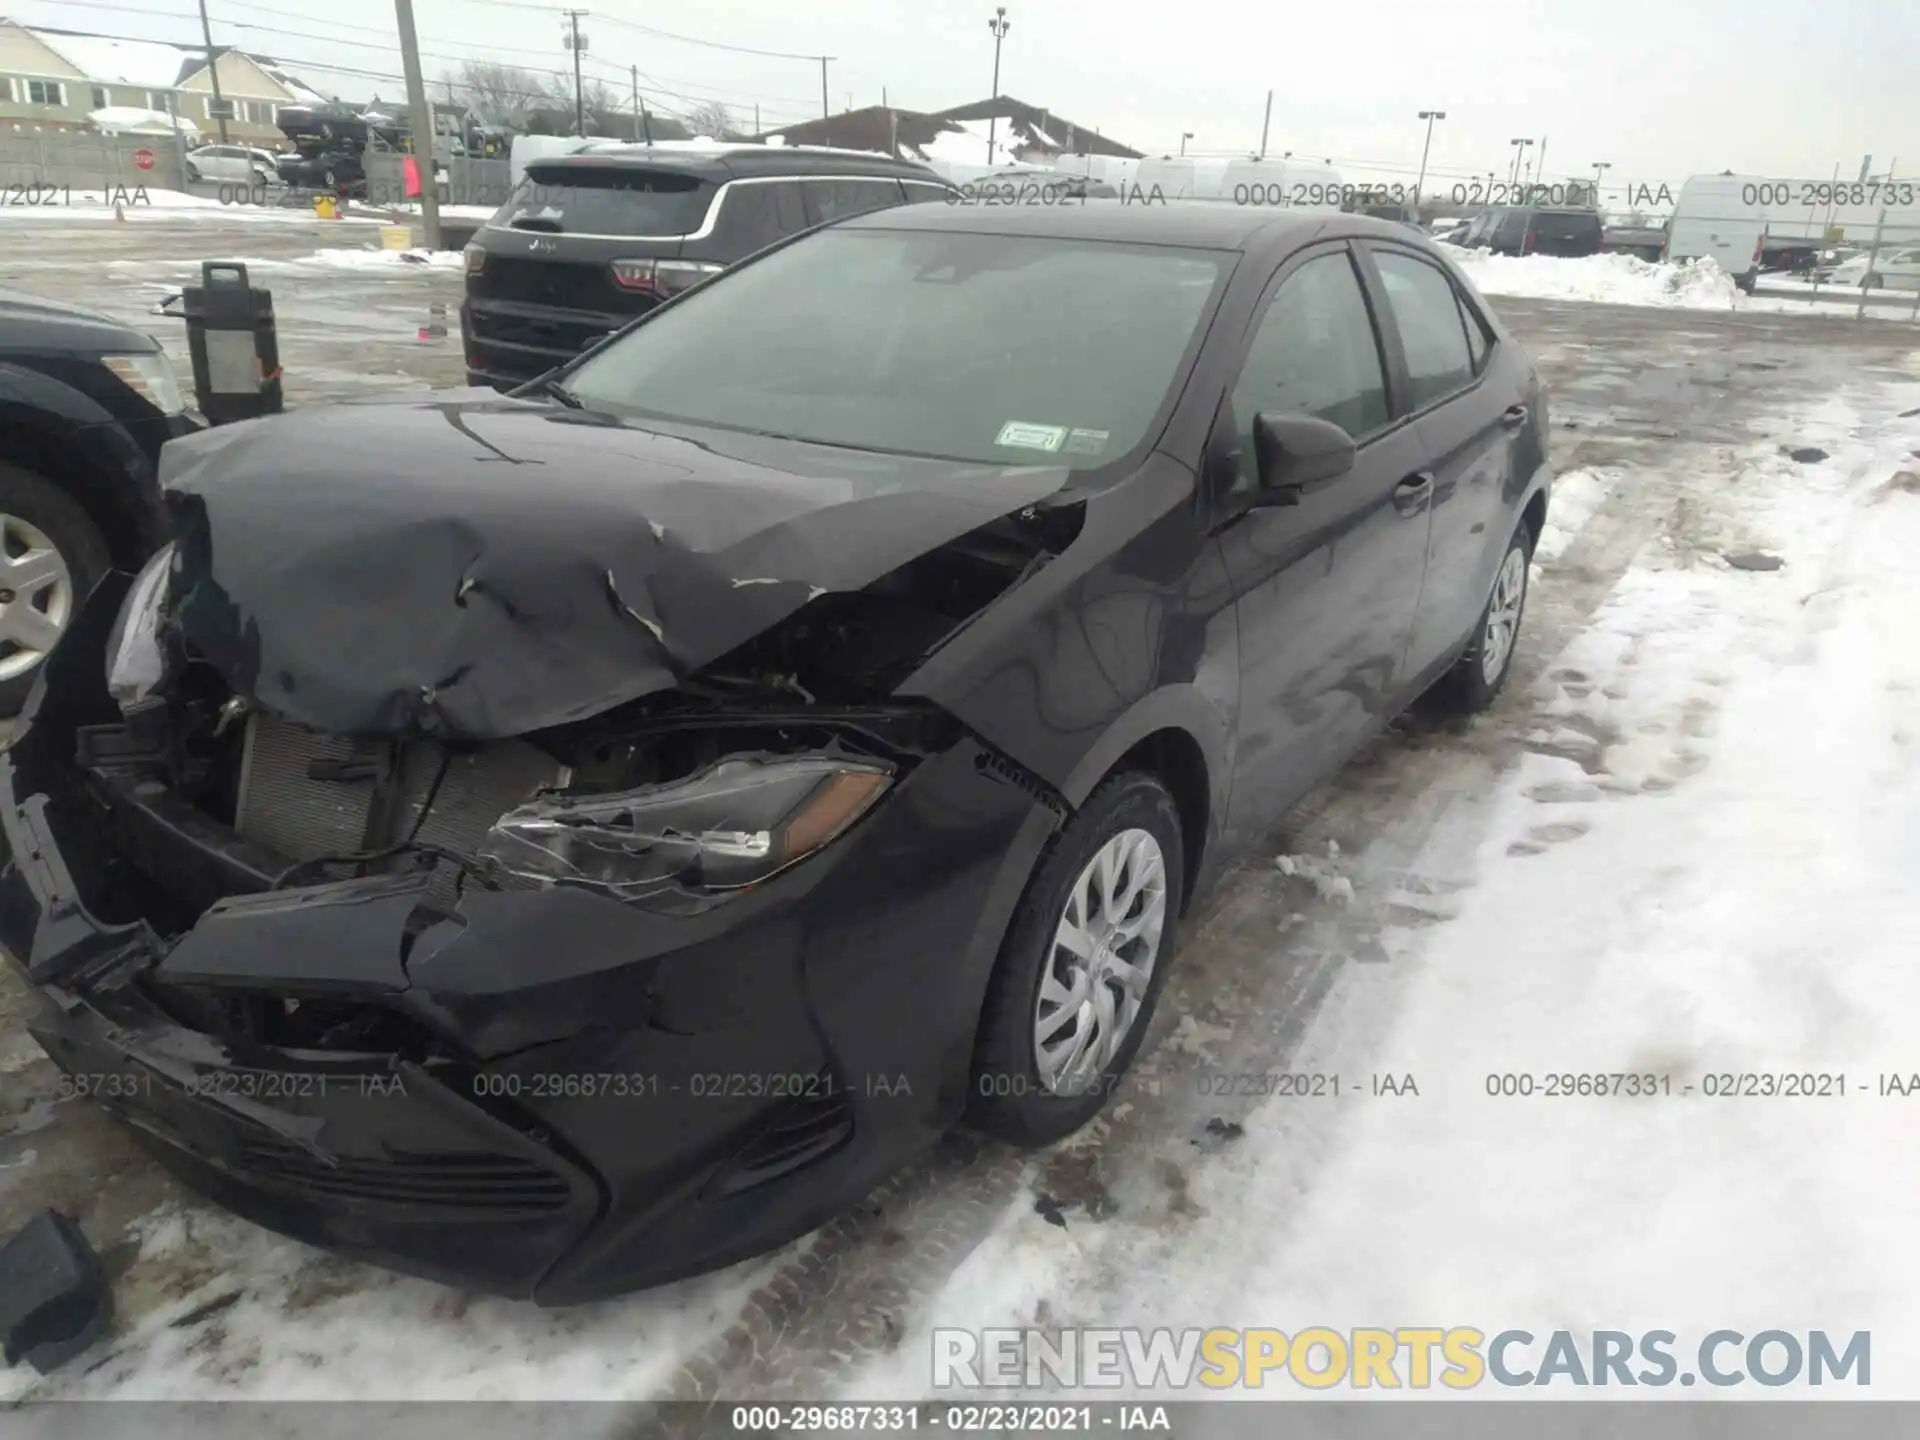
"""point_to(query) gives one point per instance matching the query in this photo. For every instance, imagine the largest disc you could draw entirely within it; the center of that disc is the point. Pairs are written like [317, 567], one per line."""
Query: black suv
[587, 242]
[1535, 230]
[85, 405]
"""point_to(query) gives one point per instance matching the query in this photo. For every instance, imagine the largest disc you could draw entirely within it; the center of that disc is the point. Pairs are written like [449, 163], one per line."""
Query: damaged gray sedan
[561, 842]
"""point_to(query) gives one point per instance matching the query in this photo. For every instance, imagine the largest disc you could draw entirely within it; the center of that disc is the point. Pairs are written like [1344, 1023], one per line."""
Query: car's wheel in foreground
[1476, 679]
[1082, 966]
[51, 556]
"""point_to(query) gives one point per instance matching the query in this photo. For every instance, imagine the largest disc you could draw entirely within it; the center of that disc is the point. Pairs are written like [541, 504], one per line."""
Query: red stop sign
[143, 159]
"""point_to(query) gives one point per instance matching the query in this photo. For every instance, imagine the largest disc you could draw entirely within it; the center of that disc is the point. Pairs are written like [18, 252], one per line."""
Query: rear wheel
[1476, 678]
[1082, 966]
[51, 556]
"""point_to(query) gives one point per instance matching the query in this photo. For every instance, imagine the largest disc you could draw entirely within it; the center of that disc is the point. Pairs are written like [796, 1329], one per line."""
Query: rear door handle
[1514, 416]
[1410, 496]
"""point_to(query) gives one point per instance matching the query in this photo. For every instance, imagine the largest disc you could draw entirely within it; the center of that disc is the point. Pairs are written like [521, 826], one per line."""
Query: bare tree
[498, 93]
[710, 117]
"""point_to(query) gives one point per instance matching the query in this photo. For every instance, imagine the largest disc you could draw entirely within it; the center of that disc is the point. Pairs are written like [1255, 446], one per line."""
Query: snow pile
[1612, 279]
[369, 259]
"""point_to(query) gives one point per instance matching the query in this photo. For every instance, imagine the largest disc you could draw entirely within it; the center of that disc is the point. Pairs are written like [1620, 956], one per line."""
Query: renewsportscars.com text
[1414, 1358]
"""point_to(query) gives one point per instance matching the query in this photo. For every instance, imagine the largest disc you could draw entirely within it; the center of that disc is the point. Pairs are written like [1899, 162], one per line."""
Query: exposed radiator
[289, 802]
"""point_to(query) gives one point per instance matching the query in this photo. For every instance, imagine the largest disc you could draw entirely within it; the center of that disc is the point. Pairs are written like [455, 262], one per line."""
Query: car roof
[1201, 224]
[726, 162]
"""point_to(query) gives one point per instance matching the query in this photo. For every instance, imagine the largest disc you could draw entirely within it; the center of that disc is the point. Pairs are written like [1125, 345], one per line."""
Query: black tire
[1007, 1098]
[1465, 689]
[57, 515]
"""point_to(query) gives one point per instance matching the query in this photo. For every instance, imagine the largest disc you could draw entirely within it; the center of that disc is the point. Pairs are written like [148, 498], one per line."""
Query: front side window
[1432, 333]
[990, 349]
[1314, 354]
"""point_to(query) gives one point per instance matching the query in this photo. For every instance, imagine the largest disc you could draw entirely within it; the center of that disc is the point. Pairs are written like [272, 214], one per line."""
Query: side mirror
[1298, 454]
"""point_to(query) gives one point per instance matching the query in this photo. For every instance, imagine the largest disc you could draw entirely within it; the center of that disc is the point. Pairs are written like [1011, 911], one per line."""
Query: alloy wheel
[1503, 614]
[36, 596]
[1100, 963]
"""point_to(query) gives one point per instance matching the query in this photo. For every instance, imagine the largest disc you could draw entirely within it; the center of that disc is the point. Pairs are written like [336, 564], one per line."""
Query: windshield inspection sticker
[1087, 442]
[1032, 437]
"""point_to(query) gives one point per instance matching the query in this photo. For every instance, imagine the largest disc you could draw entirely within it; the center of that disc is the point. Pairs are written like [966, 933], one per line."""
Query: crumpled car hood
[466, 565]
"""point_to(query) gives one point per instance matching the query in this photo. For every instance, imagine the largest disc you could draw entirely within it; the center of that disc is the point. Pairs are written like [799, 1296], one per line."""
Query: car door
[1327, 587]
[1467, 416]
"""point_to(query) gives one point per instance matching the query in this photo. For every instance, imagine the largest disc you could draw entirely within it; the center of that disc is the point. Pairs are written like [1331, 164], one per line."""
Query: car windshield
[980, 348]
[605, 200]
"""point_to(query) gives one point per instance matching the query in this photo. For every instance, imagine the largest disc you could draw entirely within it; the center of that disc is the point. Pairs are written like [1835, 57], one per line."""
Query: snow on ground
[1713, 877]
[1618, 279]
[1576, 495]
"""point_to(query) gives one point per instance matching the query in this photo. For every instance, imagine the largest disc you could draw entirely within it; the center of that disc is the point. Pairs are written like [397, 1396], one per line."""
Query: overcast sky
[1658, 88]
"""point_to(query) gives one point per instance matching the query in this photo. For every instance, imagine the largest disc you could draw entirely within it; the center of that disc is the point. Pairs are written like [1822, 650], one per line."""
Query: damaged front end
[553, 1010]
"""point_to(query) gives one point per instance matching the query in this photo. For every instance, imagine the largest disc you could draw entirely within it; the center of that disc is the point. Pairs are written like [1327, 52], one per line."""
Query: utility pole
[826, 110]
[575, 43]
[646, 125]
[1266, 121]
[419, 113]
[999, 25]
[1540, 162]
[1429, 116]
[213, 74]
[1600, 167]
[179, 140]
[756, 118]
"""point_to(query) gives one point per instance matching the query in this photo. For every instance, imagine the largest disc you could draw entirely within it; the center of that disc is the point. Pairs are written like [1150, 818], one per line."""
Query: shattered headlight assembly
[737, 822]
[135, 662]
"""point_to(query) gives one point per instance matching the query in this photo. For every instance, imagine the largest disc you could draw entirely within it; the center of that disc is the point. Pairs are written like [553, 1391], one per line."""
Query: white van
[1720, 216]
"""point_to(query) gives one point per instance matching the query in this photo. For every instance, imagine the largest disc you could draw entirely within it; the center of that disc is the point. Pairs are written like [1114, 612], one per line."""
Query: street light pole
[1513, 174]
[1185, 136]
[1429, 116]
[999, 25]
[1599, 168]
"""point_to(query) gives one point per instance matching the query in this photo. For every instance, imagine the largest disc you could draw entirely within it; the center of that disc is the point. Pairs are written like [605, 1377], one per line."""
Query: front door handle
[1410, 496]
[1514, 416]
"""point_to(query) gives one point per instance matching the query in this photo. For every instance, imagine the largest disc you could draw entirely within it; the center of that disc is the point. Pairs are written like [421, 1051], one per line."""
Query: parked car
[235, 164]
[1891, 270]
[85, 405]
[340, 171]
[792, 727]
[587, 242]
[1535, 230]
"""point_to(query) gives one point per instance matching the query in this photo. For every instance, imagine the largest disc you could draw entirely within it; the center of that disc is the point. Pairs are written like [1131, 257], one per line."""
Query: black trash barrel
[236, 353]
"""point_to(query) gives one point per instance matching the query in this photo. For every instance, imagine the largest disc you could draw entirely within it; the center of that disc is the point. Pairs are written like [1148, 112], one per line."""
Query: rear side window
[754, 215]
[831, 199]
[1431, 330]
[918, 192]
[1558, 225]
[1511, 227]
[614, 200]
[1478, 345]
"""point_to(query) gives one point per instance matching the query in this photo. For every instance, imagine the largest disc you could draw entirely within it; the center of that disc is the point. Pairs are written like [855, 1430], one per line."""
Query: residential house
[53, 79]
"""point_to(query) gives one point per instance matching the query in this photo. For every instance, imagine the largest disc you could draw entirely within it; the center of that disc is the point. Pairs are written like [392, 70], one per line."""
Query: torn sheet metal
[478, 567]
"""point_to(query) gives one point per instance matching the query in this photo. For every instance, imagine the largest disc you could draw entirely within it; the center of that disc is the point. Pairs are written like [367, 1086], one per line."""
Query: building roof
[1039, 125]
[150, 64]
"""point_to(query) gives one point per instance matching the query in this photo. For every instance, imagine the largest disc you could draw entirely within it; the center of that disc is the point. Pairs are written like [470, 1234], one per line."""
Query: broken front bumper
[583, 1097]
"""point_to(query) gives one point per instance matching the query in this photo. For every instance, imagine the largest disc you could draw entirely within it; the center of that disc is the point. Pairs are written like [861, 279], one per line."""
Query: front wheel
[51, 556]
[1476, 678]
[1082, 966]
